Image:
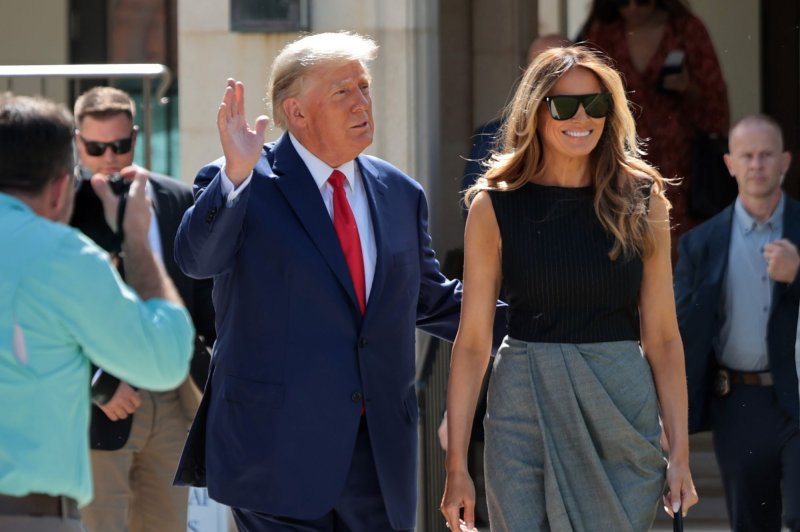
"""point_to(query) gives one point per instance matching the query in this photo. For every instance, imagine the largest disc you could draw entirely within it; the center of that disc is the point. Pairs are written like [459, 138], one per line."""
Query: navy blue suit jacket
[279, 417]
[699, 285]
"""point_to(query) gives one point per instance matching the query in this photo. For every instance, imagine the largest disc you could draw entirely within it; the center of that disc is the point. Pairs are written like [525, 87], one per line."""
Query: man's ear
[727, 159]
[294, 112]
[786, 161]
[60, 197]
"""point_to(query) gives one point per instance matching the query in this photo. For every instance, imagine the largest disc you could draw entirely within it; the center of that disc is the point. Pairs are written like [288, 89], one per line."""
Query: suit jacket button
[211, 214]
[356, 397]
[362, 342]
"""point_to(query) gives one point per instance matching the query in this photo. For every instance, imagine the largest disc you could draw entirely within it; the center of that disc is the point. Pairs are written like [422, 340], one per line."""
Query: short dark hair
[104, 102]
[36, 143]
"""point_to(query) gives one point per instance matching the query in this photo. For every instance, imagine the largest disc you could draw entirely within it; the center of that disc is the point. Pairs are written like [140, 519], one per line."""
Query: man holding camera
[135, 456]
[62, 306]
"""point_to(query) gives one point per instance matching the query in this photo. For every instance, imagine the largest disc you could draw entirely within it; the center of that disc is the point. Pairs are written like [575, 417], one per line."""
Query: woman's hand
[459, 492]
[681, 491]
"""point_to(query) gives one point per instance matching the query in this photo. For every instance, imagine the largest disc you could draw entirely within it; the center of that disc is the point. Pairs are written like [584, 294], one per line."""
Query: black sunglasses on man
[119, 146]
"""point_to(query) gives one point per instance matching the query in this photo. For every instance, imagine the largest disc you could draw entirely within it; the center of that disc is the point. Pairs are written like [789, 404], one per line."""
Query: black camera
[118, 184]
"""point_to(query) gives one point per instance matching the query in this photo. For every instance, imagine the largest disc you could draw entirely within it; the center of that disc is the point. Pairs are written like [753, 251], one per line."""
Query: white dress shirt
[356, 196]
[153, 233]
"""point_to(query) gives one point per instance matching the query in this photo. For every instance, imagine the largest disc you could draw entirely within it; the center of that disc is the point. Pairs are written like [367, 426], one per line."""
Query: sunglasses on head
[625, 3]
[564, 107]
[119, 146]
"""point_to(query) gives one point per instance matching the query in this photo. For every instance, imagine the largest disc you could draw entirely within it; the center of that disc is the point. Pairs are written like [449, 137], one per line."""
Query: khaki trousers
[133, 488]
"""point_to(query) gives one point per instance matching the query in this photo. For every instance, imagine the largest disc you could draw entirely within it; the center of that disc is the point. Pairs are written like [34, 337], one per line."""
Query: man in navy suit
[322, 267]
[737, 293]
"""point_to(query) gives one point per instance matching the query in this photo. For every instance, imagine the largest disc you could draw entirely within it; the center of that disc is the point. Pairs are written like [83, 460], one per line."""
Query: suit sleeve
[210, 233]
[684, 277]
[693, 323]
[439, 303]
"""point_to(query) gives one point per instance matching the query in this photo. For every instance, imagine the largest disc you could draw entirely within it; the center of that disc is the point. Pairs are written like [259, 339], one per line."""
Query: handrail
[144, 71]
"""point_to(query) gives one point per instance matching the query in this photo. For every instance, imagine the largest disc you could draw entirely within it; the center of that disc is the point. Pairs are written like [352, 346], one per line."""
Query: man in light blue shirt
[62, 306]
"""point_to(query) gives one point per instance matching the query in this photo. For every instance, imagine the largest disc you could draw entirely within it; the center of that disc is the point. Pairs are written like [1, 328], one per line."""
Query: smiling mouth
[578, 134]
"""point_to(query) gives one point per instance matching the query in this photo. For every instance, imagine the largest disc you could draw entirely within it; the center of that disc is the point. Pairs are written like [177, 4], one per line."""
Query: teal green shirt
[62, 305]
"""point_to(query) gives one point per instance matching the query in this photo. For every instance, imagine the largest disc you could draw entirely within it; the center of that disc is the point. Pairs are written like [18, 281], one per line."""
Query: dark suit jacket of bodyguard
[278, 422]
[170, 200]
[699, 285]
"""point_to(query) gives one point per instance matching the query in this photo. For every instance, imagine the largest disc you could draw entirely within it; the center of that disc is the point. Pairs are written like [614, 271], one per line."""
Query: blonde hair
[298, 57]
[620, 177]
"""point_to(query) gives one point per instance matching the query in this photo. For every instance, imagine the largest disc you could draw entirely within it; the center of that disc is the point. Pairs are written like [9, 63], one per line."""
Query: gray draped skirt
[572, 438]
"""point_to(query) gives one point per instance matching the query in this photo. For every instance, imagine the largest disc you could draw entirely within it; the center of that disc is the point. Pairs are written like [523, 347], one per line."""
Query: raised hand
[240, 144]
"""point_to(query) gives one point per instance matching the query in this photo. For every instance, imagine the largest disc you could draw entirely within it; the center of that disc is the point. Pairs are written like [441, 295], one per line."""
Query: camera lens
[118, 184]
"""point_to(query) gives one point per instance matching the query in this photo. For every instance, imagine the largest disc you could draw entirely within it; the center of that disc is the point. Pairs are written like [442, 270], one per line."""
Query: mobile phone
[673, 64]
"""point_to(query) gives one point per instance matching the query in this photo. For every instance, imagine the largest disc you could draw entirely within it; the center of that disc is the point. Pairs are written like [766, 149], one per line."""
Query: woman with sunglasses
[673, 77]
[575, 224]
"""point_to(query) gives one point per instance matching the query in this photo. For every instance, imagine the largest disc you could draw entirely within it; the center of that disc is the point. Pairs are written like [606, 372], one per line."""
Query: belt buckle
[765, 378]
[722, 382]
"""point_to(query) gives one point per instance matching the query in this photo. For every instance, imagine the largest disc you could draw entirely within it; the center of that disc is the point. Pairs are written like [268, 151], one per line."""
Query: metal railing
[147, 72]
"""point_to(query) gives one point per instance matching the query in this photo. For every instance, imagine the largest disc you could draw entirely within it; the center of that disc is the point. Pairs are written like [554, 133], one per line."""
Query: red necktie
[346, 229]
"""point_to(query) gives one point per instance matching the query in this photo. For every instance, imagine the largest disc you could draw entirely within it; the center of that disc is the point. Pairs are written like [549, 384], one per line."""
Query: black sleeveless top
[559, 282]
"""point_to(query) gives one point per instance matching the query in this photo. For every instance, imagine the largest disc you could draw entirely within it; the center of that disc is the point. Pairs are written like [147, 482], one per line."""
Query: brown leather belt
[762, 378]
[724, 378]
[37, 504]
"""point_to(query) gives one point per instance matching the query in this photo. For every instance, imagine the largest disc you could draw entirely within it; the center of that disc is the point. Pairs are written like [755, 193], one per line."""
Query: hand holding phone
[673, 77]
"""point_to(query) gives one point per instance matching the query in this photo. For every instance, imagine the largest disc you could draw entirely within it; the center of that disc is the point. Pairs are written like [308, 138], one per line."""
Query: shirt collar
[14, 202]
[320, 171]
[748, 224]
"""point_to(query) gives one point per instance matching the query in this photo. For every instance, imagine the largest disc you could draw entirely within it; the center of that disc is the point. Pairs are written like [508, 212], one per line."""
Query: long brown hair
[620, 177]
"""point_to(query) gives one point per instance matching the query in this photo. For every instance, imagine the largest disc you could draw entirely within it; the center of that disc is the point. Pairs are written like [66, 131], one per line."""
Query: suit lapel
[300, 190]
[719, 246]
[791, 231]
[376, 197]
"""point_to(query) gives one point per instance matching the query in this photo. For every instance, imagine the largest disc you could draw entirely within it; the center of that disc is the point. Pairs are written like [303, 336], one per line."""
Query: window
[269, 15]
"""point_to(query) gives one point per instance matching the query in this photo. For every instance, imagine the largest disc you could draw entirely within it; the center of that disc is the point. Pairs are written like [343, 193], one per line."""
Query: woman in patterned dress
[672, 110]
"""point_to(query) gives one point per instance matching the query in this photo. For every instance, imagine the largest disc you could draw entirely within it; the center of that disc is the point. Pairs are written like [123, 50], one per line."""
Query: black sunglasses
[564, 107]
[624, 3]
[119, 146]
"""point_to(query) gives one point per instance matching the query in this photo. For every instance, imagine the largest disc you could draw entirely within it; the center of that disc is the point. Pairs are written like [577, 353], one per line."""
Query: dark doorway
[780, 76]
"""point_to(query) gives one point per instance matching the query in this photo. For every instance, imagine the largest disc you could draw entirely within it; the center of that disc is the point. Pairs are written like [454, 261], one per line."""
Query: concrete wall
[27, 37]
[735, 28]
